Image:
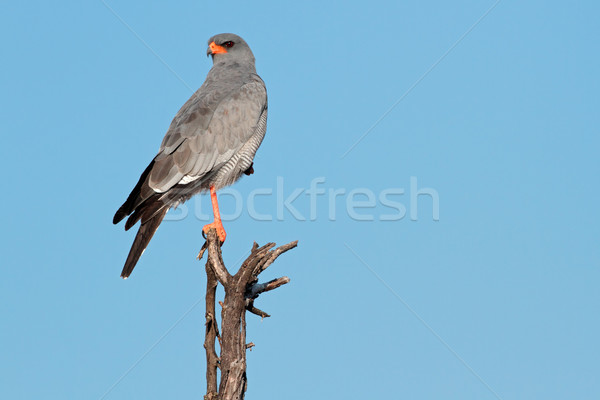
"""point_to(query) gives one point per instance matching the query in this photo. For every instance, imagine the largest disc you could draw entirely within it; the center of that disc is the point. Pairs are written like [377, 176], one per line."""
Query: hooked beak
[214, 48]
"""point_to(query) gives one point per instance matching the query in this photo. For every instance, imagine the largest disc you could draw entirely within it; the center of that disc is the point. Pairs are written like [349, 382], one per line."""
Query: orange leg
[218, 225]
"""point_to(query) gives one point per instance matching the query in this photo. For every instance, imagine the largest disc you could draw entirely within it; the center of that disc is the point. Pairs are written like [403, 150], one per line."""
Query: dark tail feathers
[141, 241]
[135, 198]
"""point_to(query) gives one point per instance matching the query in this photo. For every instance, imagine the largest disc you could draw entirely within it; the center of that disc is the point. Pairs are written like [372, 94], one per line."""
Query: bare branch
[273, 256]
[258, 288]
[257, 256]
[215, 258]
[212, 332]
[202, 250]
[240, 291]
[250, 307]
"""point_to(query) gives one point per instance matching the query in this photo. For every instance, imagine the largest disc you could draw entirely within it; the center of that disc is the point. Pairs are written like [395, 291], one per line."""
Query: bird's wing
[206, 133]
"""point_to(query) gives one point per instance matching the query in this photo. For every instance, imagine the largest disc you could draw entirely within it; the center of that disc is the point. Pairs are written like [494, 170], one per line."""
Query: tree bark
[241, 290]
[212, 332]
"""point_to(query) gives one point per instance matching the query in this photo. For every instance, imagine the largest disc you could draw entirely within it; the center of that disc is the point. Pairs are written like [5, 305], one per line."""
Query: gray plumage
[211, 142]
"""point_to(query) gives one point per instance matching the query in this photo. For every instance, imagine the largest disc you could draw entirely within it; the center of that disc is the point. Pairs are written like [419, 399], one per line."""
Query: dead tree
[240, 291]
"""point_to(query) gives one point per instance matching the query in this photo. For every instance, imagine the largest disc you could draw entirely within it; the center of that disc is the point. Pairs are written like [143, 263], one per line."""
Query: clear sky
[484, 286]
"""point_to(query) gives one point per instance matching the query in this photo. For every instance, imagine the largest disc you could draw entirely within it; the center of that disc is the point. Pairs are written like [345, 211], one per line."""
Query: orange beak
[214, 48]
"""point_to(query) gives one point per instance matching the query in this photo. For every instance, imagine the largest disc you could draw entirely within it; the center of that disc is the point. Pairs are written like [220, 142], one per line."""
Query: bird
[210, 144]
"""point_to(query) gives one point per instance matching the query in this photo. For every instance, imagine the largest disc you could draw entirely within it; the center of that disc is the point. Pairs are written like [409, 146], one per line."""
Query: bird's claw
[218, 227]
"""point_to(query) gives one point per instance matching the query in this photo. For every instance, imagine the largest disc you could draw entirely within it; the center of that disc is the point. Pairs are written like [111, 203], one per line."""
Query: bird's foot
[218, 227]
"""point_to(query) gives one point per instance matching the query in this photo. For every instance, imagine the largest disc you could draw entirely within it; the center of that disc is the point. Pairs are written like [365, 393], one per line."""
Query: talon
[221, 234]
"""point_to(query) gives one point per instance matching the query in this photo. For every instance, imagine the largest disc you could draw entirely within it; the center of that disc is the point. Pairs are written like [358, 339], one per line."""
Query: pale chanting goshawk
[210, 143]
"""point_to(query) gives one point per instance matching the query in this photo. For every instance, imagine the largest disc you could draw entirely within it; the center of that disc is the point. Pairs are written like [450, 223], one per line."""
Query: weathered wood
[241, 290]
[258, 288]
[212, 332]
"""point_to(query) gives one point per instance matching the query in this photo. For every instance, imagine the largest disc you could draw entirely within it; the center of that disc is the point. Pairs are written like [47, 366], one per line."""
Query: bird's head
[227, 46]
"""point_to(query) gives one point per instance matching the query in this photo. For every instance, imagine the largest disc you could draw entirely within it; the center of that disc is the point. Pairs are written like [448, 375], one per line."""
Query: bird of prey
[210, 143]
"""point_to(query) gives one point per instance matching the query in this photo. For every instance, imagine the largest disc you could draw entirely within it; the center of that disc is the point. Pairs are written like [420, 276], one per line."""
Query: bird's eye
[228, 44]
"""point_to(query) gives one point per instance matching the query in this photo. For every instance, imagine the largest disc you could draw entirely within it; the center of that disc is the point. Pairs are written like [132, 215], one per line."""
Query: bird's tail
[142, 239]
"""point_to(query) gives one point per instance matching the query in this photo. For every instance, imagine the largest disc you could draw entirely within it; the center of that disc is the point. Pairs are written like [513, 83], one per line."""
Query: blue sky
[497, 299]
